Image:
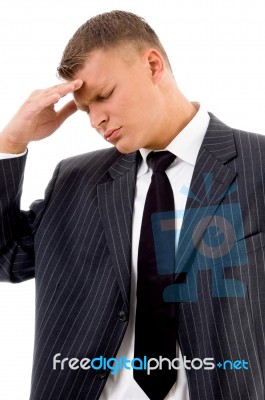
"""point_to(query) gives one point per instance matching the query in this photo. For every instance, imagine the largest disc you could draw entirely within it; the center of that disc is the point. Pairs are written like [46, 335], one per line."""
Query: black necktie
[155, 325]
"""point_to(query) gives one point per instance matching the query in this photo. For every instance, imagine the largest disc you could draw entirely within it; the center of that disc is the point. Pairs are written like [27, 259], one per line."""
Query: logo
[114, 365]
[210, 239]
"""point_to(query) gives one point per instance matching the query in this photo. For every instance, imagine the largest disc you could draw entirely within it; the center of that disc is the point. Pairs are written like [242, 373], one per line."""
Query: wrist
[8, 146]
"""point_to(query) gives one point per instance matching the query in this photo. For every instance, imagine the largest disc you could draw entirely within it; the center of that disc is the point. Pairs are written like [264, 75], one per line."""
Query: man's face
[121, 98]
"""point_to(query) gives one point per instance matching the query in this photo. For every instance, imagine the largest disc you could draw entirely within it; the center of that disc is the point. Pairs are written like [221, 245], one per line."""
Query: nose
[98, 117]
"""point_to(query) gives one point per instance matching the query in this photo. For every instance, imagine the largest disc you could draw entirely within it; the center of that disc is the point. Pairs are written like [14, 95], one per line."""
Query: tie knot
[160, 160]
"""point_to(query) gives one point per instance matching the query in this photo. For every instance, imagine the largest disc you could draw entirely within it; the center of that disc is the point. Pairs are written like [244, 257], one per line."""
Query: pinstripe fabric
[77, 244]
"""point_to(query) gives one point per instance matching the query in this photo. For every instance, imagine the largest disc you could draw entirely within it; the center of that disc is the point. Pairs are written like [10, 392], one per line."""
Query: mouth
[111, 134]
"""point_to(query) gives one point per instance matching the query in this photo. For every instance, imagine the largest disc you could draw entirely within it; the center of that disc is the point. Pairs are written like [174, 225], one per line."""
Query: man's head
[104, 32]
[128, 88]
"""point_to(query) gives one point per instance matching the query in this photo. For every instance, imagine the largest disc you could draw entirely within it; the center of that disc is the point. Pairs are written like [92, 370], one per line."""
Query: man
[83, 241]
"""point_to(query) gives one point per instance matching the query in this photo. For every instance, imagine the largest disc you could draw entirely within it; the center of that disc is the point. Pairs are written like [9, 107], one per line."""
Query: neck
[178, 114]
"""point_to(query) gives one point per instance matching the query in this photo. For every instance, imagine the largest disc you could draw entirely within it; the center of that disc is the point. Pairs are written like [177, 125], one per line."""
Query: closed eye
[106, 96]
[96, 98]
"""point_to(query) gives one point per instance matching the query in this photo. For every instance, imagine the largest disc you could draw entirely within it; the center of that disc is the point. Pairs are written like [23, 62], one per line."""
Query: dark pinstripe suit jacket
[77, 244]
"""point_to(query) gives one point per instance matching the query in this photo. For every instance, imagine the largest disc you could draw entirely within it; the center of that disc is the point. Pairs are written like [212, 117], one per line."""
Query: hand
[37, 119]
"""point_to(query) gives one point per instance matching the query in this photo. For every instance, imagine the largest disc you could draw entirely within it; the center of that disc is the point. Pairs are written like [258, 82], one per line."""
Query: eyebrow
[91, 99]
[84, 107]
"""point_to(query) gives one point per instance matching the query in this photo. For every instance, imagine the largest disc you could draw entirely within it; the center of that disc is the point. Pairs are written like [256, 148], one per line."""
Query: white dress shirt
[4, 156]
[185, 146]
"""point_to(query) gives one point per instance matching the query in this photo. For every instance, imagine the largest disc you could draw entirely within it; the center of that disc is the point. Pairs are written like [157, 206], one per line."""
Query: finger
[65, 112]
[68, 87]
[56, 92]
[49, 97]
[76, 84]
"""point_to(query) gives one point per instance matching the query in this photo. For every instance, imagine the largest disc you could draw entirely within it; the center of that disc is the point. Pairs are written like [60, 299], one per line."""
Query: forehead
[101, 70]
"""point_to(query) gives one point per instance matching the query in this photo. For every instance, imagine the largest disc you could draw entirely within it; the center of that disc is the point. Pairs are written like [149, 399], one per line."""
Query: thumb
[66, 111]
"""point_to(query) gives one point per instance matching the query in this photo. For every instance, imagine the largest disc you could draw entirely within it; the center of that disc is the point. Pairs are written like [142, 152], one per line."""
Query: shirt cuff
[4, 156]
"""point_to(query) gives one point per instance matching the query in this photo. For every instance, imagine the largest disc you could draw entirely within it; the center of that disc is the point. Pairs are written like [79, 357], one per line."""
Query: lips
[111, 134]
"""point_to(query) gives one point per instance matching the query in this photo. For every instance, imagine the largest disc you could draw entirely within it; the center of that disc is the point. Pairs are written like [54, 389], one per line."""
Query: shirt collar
[187, 143]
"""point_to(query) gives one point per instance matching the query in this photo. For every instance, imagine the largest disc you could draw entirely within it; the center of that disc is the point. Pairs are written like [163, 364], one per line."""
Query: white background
[217, 50]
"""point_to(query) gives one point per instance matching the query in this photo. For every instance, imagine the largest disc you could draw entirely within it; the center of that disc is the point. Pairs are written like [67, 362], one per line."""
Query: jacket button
[102, 373]
[123, 316]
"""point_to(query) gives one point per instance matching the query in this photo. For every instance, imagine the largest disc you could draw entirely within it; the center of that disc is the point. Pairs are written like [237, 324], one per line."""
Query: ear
[156, 64]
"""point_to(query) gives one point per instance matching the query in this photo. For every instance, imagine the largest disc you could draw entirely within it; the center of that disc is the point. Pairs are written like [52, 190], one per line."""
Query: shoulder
[250, 148]
[94, 161]
[95, 165]
[245, 141]
[248, 140]
[216, 125]
[106, 154]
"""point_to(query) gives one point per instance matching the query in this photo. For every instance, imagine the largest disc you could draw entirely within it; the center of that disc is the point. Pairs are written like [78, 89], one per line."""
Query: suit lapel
[116, 198]
[211, 181]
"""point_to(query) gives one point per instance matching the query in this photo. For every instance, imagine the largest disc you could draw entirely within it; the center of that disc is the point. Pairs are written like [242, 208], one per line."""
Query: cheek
[137, 106]
[134, 106]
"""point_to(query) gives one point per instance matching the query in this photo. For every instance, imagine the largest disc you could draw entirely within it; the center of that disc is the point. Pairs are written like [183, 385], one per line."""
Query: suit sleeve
[17, 227]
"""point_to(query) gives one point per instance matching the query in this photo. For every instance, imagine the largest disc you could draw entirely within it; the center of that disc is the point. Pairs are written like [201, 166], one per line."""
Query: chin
[122, 148]
[124, 151]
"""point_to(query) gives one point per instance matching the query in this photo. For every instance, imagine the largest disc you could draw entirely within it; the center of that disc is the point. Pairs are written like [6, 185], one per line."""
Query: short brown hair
[103, 32]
